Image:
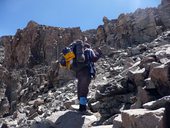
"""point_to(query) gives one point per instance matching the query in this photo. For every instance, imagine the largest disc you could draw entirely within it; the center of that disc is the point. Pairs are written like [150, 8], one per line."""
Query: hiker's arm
[95, 56]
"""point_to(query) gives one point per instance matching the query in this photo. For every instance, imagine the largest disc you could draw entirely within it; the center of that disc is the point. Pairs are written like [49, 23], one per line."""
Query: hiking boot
[82, 108]
[87, 112]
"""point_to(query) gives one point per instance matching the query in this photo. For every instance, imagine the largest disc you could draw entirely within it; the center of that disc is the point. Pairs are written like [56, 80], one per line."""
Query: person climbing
[80, 57]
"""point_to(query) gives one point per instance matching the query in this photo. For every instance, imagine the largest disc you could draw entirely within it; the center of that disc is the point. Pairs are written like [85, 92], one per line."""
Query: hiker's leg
[82, 88]
[83, 82]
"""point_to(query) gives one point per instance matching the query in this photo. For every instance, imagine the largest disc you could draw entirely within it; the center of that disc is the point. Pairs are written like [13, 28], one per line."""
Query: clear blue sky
[87, 14]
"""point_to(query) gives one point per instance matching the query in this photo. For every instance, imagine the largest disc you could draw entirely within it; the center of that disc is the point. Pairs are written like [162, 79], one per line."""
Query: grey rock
[160, 77]
[71, 119]
[142, 118]
[162, 102]
[149, 84]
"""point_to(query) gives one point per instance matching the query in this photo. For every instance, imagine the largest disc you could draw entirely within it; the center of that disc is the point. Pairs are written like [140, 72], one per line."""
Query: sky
[86, 14]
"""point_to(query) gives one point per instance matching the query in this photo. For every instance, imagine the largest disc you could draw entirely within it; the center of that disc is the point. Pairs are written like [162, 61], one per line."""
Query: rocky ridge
[132, 84]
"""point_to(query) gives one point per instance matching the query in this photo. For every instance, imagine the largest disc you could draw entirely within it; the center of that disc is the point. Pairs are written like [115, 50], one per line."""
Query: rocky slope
[132, 87]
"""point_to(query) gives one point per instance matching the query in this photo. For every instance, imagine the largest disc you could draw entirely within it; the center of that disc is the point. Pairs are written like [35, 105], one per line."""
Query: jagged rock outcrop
[37, 44]
[144, 25]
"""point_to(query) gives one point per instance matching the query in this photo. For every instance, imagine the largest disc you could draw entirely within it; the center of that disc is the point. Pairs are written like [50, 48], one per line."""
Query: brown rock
[160, 77]
[37, 44]
[142, 97]
[137, 76]
[142, 118]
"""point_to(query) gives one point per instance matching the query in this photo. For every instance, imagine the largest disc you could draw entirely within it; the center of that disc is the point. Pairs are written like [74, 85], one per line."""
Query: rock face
[143, 25]
[37, 44]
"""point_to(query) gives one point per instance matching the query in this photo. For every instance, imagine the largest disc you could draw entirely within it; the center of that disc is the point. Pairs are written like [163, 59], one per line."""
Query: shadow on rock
[70, 119]
[62, 119]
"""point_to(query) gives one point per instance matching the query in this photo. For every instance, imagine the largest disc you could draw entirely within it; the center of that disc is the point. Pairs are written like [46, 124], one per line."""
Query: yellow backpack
[68, 56]
[69, 59]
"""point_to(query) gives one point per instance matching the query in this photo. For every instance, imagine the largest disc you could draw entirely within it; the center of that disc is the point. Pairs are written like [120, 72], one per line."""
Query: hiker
[80, 58]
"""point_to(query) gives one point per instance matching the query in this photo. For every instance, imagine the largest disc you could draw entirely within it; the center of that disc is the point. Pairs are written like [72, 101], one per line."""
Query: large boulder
[160, 76]
[142, 118]
[162, 102]
[66, 119]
